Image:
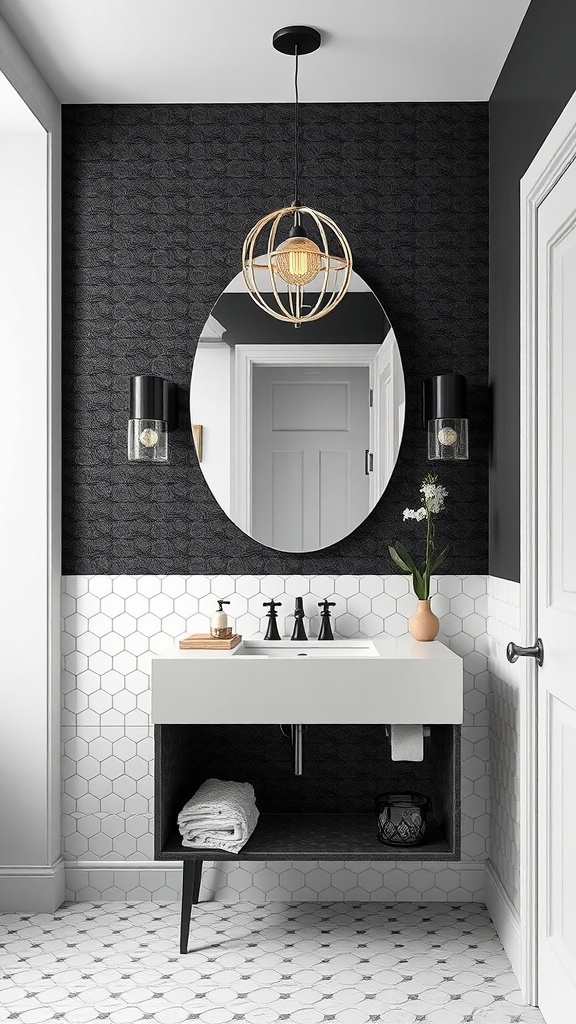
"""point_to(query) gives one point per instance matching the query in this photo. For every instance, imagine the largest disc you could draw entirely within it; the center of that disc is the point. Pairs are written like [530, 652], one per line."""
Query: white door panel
[286, 498]
[556, 515]
[335, 480]
[307, 405]
[310, 433]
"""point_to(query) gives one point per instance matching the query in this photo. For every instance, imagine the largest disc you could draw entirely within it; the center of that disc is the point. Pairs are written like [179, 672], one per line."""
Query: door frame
[24, 885]
[246, 358]
[557, 152]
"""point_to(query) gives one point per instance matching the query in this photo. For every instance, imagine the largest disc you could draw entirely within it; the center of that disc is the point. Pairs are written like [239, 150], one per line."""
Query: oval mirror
[297, 429]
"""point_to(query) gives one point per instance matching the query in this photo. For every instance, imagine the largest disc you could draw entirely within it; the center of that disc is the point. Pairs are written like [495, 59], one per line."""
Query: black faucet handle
[272, 631]
[325, 625]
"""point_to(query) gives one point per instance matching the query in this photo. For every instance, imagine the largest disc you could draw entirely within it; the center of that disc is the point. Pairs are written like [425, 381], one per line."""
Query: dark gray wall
[157, 201]
[534, 86]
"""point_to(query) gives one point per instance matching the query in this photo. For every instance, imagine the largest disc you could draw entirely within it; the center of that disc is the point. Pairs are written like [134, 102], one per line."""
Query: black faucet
[299, 633]
[272, 631]
[325, 627]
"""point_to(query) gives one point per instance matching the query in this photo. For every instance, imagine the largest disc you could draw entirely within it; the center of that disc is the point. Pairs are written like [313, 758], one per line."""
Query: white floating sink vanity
[217, 714]
[385, 680]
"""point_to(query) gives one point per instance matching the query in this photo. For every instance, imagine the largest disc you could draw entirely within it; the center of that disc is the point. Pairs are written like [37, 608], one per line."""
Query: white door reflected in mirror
[301, 427]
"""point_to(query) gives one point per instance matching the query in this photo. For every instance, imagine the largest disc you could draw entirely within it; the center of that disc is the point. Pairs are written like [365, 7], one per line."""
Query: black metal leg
[191, 879]
[196, 881]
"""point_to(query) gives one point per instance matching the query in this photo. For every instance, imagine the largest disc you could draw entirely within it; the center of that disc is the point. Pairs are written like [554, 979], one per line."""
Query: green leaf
[419, 584]
[439, 559]
[397, 560]
[404, 561]
[401, 550]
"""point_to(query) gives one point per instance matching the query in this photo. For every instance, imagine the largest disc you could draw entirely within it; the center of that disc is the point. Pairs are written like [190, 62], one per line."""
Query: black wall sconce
[153, 414]
[445, 417]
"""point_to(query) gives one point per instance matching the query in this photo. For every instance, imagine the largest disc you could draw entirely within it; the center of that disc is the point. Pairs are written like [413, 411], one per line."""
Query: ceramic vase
[424, 625]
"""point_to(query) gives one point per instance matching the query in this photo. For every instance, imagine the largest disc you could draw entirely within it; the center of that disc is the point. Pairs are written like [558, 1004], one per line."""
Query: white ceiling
[219, 51]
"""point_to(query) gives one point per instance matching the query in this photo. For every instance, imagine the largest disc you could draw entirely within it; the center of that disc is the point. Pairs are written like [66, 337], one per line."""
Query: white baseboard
[505, 918]
[32, 888]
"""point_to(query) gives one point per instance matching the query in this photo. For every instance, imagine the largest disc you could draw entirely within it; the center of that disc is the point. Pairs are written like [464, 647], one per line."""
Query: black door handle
[513, 652]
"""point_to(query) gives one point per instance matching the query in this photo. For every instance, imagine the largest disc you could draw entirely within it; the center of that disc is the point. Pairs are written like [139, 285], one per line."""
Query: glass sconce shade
[445, 417]
[147, 441]
[152, 416]
[448, 440]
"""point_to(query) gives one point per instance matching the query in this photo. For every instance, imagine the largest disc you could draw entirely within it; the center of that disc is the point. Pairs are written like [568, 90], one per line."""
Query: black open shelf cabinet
[325, 814]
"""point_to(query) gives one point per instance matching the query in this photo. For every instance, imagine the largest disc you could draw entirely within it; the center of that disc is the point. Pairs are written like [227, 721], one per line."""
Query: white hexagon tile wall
[113, 625]
[504, 625]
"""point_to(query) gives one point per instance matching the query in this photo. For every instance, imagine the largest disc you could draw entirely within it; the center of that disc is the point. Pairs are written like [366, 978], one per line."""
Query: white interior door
[311, 430]
[556, 472]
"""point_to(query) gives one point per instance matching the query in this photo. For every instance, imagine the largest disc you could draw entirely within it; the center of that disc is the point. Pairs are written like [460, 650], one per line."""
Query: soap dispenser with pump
[219, 622]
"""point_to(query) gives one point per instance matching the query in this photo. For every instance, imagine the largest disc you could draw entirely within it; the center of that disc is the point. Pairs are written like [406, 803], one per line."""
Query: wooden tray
[205, 642]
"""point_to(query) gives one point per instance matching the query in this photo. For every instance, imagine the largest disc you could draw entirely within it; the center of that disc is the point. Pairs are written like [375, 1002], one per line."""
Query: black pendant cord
[296, 133]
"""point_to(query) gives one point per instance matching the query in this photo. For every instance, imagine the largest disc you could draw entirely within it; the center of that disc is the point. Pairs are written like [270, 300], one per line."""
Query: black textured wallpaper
[156, 203]
[535, 84]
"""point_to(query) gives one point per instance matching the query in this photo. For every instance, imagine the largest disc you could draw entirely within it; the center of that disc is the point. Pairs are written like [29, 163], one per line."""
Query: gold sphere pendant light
[277, 272]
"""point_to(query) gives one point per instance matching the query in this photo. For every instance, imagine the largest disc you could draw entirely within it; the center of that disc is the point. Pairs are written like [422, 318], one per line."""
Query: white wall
[23, 526]
[31, 875]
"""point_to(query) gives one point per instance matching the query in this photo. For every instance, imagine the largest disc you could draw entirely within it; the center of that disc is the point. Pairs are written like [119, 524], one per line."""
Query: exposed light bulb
[149, 437]
[447, 436]
[298, 260]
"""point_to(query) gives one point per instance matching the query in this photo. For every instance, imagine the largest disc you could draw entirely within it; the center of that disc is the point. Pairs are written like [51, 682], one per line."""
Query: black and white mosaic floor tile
[306, 963]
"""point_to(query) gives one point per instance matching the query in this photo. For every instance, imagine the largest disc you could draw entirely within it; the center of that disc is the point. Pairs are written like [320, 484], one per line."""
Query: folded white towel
[221, 815]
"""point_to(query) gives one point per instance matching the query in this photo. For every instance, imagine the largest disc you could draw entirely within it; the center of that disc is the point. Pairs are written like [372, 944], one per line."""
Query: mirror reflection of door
[288, 416]
[310, 444]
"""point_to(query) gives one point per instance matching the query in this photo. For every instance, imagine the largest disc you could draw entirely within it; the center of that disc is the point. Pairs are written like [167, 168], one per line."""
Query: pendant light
[277, 269]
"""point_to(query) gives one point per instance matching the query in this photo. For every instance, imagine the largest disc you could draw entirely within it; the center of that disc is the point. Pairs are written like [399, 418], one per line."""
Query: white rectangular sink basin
[384, 680]
[305, 649]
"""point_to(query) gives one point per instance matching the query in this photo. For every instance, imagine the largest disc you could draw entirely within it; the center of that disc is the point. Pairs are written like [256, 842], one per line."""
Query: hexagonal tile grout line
[113, 625]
